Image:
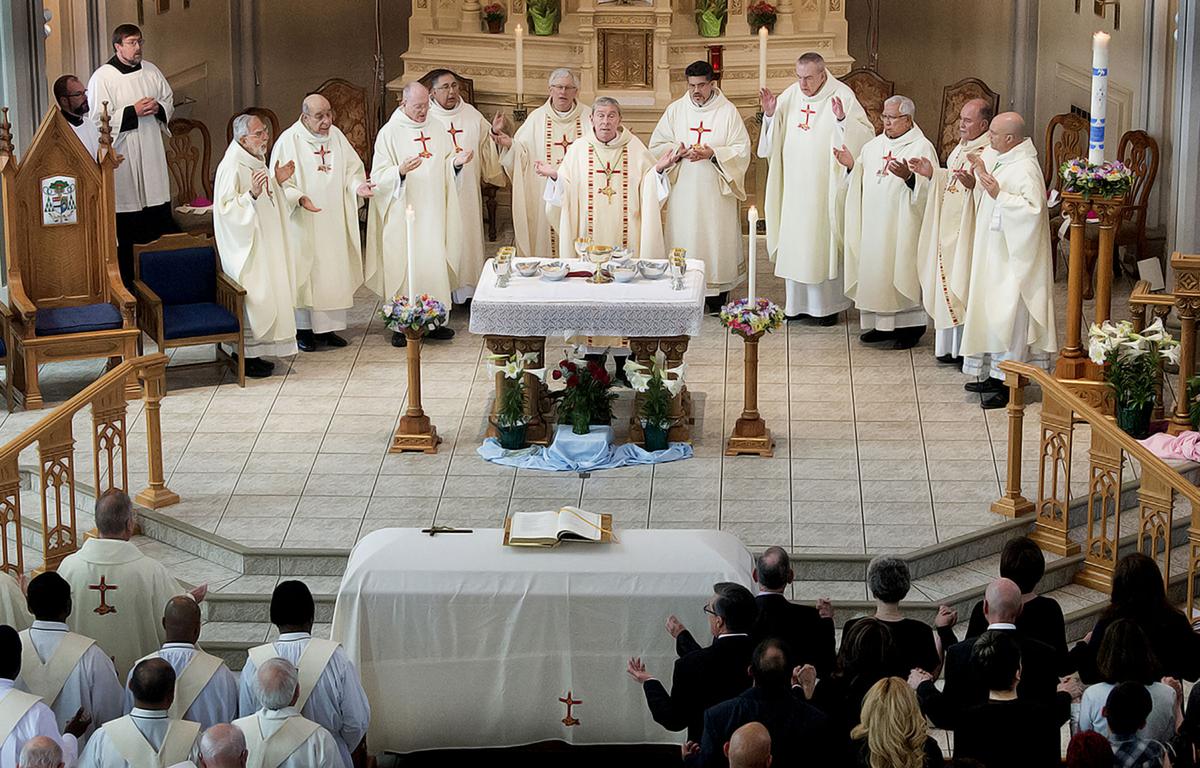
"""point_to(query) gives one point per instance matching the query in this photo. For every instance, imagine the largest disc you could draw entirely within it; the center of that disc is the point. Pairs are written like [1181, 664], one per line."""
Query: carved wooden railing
[53, 435]
[1145, 307]
[1160, 484]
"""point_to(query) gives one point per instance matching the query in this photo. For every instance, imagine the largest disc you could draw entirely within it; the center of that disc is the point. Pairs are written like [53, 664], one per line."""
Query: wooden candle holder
[750, 433]
[416, 432]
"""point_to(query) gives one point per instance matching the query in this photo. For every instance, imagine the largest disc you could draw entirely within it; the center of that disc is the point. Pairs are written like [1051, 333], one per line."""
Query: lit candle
[762, 57]
[1099, 97]
[520, 34]
[412, 259]
[752, 216]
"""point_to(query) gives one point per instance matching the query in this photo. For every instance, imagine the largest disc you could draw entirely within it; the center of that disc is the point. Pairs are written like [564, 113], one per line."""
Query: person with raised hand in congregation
[277, 735]
[807, 631]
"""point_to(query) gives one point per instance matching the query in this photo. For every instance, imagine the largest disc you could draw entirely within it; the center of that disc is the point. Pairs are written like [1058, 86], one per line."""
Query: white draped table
[463, 642]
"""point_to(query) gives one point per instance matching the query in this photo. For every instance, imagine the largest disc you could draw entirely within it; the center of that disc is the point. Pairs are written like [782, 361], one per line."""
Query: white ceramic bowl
[623, 274]
[653, 269]
[554, 271]
[527, 268]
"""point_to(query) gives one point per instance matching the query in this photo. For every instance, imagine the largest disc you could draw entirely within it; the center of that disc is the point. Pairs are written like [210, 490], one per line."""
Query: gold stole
[271, 751]
[46, 679]
[133, 746]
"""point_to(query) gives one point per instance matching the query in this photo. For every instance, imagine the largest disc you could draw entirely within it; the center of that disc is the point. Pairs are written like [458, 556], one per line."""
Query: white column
[1184, 213]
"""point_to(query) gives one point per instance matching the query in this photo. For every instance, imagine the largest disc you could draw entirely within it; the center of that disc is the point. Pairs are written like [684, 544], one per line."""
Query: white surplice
[883, 222]
[252, 239]
[1010, 306]
[88, 133]
[338, 701]
[38, 720]
[703, 214]
[92, 684]
[153, 725]
[13, 611]
[545, 136]
[319, 750]
[141, 181]
[325, 247]
[218, 700]
[135, 591]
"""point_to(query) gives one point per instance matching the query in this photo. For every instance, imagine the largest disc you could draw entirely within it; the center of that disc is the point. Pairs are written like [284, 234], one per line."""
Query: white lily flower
[640, 382]
[540, 373]
[674, 386]
[529, 358]
[1171, 354]
[660, 360]
[1097, 351]
[1155, 331]
[634, 365]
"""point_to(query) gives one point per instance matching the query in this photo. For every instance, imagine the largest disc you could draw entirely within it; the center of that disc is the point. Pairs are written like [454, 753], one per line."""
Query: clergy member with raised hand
[69, 672]
[325, 246]
[545, 136]
[148, 737]
[24, 716]
[337, 700]
[708, 184]
[277, 735]
[884, 209]
[117, 592]
[140, 103]
[205, 690]
[1010, 312]
[415, 169]
[250, 216]
[801, 128]
[467, 130]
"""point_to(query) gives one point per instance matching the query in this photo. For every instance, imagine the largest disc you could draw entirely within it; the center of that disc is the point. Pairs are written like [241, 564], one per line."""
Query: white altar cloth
[531, 306]
[463, 642]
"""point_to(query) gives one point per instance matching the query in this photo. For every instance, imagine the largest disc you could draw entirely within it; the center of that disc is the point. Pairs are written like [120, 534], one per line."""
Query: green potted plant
[493, 15]
[586, 399]
[543, 16]
[761, 14]
[710, 17]
[658, 388]
[509, 418]
[1133, 365]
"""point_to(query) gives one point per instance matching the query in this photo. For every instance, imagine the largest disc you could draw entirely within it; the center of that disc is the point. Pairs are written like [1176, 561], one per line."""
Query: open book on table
[548, 529]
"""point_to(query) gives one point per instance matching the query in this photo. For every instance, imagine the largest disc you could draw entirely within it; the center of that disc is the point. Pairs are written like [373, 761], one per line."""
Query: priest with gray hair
[41, 752]
[223, 746]
[277, 735]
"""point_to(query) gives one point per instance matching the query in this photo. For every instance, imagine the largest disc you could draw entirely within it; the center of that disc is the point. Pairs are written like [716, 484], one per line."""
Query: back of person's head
[48, 597]
[40, 752]
[888, 579]
[1137, 589]
[996, 658]
[278, 683]
[749, 747]
[1002, 601]
[292, 605]
[774, 568]
[1127, 708]
[868, 652]
[223, 746]
[735, 605]
[1023, 562]
[1089, 749]
[769, 665]
[1125, 654]
[152, 684]
[893, 725]
[10, 653]
[114, 514]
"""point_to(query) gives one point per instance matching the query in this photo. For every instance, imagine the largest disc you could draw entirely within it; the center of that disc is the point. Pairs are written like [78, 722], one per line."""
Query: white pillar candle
[752, 216]
[412, 280]
[762, 57]
[1099, 97]
[520, 38]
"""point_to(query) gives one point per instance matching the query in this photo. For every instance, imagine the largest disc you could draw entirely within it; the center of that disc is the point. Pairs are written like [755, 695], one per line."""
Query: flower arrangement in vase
[424, 314]
[1134, 363]
[744, 320]
[586, 399]
[658, 389]
[1108, 179]
[494, 16]
[761, 14]
[510, 419]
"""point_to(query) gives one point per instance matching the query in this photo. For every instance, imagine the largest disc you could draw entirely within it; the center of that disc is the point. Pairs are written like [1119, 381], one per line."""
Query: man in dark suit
[703, 676]
[799, 732]
[807, 631]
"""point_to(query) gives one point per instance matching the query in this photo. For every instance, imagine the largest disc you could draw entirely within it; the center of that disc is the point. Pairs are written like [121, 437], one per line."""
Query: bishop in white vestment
[325, 247]
[24, 716]
[708, 184]
[883, 221]
[277, 735]
[801, 128]
[545, 136]
[943, 258]
[1010, 311]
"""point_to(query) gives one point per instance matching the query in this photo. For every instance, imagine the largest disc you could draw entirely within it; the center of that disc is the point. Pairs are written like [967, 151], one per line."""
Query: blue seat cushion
[89, 317]
[181, 276]
[183, 321]
[3, 348]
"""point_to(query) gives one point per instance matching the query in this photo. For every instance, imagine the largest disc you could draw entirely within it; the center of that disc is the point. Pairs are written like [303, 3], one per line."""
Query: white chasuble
[1010, 306]
[609, 194]
[118, 596]
[468, 130]
[252, 238]
[12, 604]
[325, 248]
[430, 191]
[883, 222]
[141, 181]
[703, 213]
[545, 136]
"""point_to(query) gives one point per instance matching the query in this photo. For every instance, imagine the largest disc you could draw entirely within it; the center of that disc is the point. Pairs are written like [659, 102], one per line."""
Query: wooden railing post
[156, 495]
[1072, 358]
[56, 457]
[10, 517]
[1187, 304]
[1156, 501]
[1013, 503]
[110, 465]
[1052, 531]
[1104, 515]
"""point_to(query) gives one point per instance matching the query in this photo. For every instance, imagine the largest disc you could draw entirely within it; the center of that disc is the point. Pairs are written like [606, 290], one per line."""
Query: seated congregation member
[223, 746]
[1127, 707]
[703, 676]
[807, 631]
[24, 716]
[1008, 730]
[800, 733]
[1138, 594]
[866, 655]
[337, 702]
[1125, 656]
[892, 732]
[41, 752]
[1089, 749]
[278, 736]
[1041, 617]
[749, 747]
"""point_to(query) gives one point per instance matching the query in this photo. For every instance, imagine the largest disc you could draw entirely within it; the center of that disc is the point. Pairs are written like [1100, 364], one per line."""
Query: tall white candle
[520, 35]
[752, 216]
[1099, 97]
[412, 259]
[762, 57]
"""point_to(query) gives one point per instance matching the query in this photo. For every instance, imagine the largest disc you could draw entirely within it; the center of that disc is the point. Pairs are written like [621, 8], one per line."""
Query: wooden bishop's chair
[871, 90]
[189, 164]
[353, 114]
[1066, 139]
[264, 114]
[953, 98]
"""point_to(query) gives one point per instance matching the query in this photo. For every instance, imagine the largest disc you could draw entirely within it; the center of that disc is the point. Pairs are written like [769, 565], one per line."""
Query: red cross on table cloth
[102, 588]
[608, 172]
[889, 157]
[570, 720]
[322, 153]
[808, 112]
[700, 133]
[424, 145]
[454, 136]
[564, 142]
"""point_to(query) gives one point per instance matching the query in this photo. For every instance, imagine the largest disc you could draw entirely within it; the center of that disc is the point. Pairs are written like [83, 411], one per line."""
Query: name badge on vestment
[996, 223]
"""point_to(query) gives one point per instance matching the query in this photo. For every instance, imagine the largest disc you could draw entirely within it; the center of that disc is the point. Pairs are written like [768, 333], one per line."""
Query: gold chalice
[599, 255]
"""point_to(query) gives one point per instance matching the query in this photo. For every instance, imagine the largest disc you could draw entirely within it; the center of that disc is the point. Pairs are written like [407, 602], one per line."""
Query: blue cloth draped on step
[581, 453]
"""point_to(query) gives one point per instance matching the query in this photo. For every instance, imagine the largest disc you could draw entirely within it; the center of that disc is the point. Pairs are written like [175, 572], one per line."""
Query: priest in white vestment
[277, 735]
[71, 96]
[205, 690]
[884, 209]
[325, 246]
[69, 672]
[545, 136]
[148, 736]
[1010, 307]
[223, 746]
[13, 611]
[140, 103]
[250, 217]
[416, 169]
[467, 130]
[708, 184]
[337, 700]
[943, 258]
[24, 716]
[118, 593]
[801, 128]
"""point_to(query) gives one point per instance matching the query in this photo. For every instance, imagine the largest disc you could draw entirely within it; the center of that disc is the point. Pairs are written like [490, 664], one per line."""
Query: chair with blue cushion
[6, 357]
[184, 299]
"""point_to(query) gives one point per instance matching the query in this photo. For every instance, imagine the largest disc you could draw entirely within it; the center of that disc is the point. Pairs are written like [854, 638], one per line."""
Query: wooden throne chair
[871, 90]
[953, 98]
[189, 163]
[353, 114]
[1066, 139]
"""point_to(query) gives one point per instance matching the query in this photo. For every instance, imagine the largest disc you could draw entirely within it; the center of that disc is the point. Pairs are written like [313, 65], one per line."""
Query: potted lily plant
[586, 398]
[543, 16]
[710, 17]
[494, 16]
[509, 419]
[1134, 362]
[658, 388]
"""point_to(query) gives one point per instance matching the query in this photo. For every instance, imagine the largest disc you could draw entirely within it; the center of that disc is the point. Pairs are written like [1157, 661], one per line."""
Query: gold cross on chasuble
[424, 145]
[608, 172]
[454, 136]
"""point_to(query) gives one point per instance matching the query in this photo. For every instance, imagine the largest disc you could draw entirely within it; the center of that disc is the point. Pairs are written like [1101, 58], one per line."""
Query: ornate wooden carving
[109, 460]
[56, 456]
[1054, 480]
[626, 58]
[353, 113]
[1066, 139]
[871, 89]
[953, 98]
[1104, 514]
[13, 552]
[189, 164]
[1155, 502]
[1187, 306]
